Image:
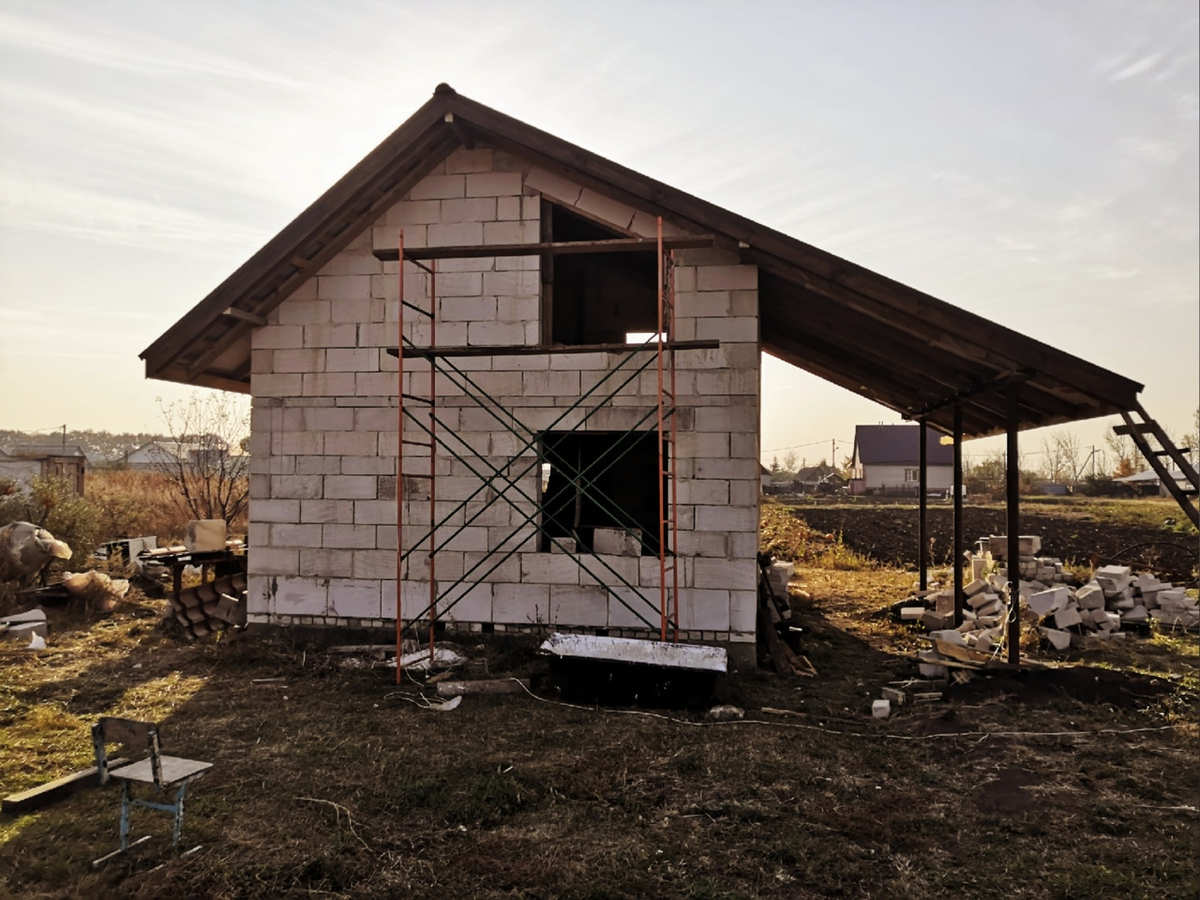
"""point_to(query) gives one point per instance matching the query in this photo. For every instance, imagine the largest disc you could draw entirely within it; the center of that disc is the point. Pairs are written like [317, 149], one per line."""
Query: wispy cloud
[1138, 67]
[49, 206]
[131, 51]
[1152, 150]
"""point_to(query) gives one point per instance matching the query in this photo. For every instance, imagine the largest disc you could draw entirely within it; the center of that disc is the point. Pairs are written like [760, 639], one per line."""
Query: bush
[1100, 486]
[136, 504]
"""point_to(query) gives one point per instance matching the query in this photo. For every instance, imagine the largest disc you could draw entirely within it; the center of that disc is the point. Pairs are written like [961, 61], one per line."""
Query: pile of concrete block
[1065, 615]
[780, 575]
[1141, 598]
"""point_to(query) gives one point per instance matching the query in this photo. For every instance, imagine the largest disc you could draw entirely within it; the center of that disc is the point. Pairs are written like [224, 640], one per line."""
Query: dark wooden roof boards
[883, 340]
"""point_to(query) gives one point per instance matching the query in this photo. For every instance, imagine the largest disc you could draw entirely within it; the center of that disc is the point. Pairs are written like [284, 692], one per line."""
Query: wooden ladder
[1140, 432]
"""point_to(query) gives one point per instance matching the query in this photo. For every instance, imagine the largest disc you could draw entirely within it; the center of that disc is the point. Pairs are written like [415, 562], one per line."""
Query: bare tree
[789, 462]
[1125, 452]
[1191, 441]
[1060, 455]
[205, 463]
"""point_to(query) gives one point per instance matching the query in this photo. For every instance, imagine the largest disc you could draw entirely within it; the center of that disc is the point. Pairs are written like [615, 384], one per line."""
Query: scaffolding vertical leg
[399, 457]
[672, 454]
[432, 458]
[662, 468]
[667, 526]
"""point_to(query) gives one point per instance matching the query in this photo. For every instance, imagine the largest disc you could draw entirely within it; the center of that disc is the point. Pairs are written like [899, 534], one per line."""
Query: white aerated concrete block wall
[325, 440]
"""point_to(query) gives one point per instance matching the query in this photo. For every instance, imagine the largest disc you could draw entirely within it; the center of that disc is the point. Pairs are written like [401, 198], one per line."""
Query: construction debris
[97, 589]
[486, 686]
[1065, 616]
[205, 536]
[125, 552]
[777, 637]
[725, 713]
[23, 626]
[26, 550]
[616, 670]
[635, 652]
[211, 606]
[422, 661]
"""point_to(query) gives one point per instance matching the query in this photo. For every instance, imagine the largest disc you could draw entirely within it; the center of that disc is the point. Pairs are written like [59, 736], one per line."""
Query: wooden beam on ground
[491, 686]
[52, 791]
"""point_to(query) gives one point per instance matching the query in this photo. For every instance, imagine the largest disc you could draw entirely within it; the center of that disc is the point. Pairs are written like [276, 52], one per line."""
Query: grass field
[335, 782]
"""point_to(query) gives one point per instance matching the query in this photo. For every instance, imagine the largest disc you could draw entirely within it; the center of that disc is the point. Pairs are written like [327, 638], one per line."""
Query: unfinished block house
[522, 383]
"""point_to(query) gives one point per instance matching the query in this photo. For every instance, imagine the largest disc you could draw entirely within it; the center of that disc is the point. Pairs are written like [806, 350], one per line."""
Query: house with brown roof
[516, 385]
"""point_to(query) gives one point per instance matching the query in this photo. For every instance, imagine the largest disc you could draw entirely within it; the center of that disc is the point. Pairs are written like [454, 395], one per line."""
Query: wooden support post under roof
[957, 547]
[923, 507]
[1013, 474]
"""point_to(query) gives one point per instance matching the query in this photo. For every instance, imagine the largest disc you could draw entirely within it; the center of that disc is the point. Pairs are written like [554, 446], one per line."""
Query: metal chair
[166, 773]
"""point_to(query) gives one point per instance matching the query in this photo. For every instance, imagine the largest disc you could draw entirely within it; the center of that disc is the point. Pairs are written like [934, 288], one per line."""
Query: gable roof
[899, 445]
[904, 349]
[42, 451]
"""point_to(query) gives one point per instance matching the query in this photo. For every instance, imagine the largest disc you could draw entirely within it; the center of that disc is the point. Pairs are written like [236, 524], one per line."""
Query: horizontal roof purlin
[891, 343]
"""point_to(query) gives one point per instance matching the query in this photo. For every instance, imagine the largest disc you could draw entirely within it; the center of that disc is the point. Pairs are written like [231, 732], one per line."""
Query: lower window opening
[600, 480]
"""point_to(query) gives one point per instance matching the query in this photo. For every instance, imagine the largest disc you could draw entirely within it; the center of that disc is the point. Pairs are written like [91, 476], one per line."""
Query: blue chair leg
[124, 815]
[178, 829]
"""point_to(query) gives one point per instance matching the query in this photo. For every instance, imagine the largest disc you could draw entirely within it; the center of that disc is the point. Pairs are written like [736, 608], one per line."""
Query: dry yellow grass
[133, 504]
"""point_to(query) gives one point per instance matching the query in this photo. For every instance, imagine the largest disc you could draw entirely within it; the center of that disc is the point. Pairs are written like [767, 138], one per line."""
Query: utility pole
[833, 454]
[64, 437]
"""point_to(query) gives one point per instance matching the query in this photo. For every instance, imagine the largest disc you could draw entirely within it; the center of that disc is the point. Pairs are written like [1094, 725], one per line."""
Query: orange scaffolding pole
[399, 457]
[667, 503]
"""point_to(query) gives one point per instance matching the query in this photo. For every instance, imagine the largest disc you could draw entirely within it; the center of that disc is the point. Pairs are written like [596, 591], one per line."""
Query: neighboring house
[1149, 484]
[28, 461]
[887, 460]
[159, 454]
[536, 320]
[819, 477]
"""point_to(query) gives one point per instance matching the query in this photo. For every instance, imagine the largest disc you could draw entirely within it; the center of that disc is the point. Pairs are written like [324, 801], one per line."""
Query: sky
[1035, 163]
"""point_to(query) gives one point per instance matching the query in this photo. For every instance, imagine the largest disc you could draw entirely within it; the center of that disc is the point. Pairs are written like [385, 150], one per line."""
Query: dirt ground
[1079, 533]
[332, 781]
[1079, 780]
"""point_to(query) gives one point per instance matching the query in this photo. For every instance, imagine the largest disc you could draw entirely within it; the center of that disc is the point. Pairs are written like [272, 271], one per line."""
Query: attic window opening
[600, 480]
[595, 298]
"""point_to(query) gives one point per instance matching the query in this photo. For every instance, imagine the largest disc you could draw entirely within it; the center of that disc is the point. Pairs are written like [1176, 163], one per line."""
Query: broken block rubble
[1064, 615]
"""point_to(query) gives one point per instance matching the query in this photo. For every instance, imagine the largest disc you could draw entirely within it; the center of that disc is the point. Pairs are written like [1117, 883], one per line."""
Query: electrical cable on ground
[982, 735]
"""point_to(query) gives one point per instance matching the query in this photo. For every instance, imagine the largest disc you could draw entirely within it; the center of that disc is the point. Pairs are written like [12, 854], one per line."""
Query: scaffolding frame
[420, 411]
